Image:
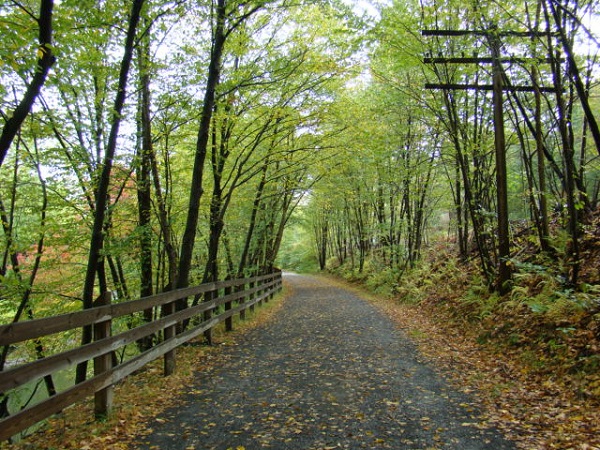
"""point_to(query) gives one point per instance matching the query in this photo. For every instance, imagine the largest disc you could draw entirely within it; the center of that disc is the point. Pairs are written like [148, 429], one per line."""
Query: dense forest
[149, 145]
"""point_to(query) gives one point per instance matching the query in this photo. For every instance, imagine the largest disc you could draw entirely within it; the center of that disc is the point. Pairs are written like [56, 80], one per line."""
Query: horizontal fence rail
[222, 300]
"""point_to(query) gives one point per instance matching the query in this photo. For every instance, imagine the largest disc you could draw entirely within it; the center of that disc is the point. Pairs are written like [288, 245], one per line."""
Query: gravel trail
[329, 371]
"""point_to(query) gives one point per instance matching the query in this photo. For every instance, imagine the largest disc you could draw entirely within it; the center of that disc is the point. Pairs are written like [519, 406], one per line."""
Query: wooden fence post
[280, 280]
[271, 288]
[103, 399]
[268, 289]
[208, 315]
[273, 279]
[168, 333]
[253, 295]
[242, 300]
[228, 320]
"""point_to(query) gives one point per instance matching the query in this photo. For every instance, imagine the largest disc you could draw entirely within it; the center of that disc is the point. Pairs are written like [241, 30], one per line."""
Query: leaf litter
[536, 410]
[534, 413]
[330, 372]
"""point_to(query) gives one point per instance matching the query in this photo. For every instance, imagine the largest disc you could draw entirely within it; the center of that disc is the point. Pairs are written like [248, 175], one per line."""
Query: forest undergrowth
[532, 356]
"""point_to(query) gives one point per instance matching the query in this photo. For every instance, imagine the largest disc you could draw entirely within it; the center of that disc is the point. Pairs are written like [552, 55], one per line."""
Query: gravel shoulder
[329, 371]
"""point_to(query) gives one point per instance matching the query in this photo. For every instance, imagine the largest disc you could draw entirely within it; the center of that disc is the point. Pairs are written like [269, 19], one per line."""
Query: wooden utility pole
[504, 272]
[498, 87]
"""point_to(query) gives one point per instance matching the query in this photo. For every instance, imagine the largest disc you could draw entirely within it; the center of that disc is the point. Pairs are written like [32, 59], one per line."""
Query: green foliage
[384, 281]
[327, 106]
[543, 291]
[295, 254]
[478, 303]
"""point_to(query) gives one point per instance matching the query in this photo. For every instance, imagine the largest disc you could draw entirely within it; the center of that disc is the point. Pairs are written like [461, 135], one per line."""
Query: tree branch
[45, 60]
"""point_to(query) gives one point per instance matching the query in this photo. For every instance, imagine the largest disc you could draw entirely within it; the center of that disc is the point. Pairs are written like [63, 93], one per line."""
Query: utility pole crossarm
[483, 60]
[524, 34]
[486, 87]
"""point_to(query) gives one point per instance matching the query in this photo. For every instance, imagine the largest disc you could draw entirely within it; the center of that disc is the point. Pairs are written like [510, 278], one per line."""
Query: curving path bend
[330, 371]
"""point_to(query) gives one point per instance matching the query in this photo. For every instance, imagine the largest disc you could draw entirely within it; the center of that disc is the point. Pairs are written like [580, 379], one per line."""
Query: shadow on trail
[330, 371]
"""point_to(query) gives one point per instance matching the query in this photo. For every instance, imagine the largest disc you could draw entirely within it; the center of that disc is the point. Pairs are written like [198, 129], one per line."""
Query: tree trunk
[321, 235]
[504, 272]
[253, 218]
[543, 228]
[25, 303]
[95, 259]
[568, 155]
[477, 225]
[196, 189]
[165, 223]
[45, 60]
[575, 74]
[144, 195]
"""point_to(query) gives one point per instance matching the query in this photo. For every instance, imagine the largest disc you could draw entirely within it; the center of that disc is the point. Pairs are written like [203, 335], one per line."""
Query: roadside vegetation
[469, 199]
[141, 397]
[531, 356]
[444, 154]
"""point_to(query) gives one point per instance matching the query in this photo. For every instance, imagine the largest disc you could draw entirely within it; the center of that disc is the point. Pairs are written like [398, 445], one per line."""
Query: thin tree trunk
[253, 216]
[543, 228]
[25, 303]
[45, 60]
[165, 226]
[575, 75]
[504, 271]
[95, 260]
[144, 195]
[196, 189]
[568, 157]
[286, 212]
[420, 217]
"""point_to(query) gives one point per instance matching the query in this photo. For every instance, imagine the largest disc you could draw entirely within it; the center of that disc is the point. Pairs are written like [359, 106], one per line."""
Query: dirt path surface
[330, 371]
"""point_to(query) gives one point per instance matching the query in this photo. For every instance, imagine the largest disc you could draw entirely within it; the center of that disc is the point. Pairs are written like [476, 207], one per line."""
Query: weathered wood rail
[230, 297]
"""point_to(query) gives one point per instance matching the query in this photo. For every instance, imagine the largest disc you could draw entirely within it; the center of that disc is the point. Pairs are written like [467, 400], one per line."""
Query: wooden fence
[221, 301]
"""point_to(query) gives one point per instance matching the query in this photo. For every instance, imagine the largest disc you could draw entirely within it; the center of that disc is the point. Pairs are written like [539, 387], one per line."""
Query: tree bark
[253, 219]
[196, 190]
[567, 152]
[95, 259]
[543, 228]
[144, 195]
[504, 272]
[25, 302]
[45, 61]
[575, 75]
